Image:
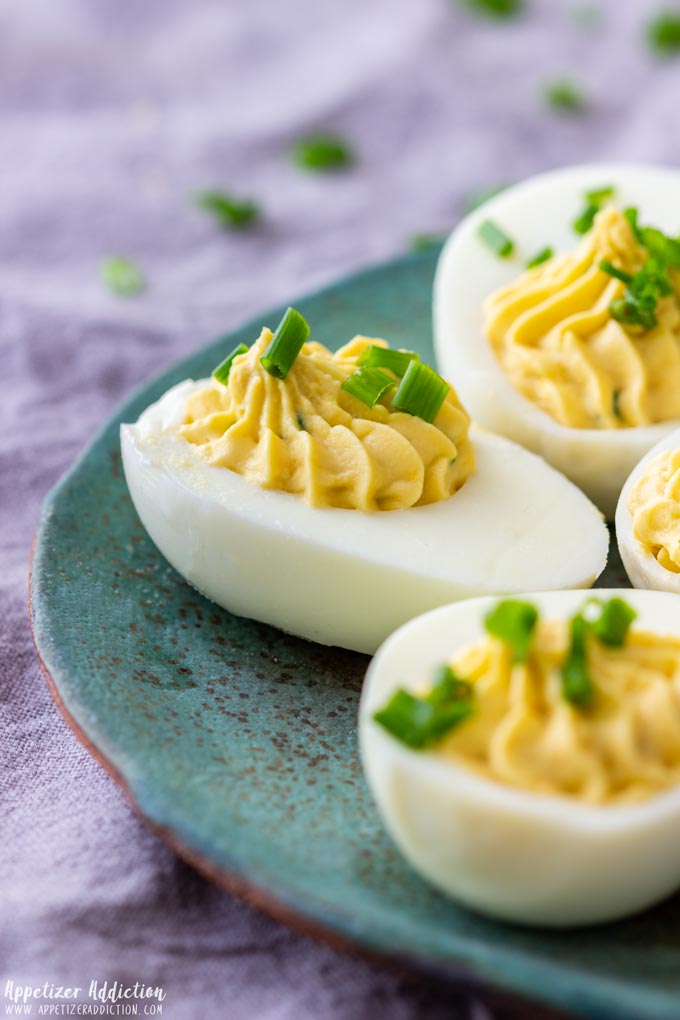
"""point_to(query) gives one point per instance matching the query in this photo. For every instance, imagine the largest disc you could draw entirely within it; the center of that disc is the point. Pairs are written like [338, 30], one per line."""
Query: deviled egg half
[648, 518]
[525, 755]
[557, 305]
[336, 496]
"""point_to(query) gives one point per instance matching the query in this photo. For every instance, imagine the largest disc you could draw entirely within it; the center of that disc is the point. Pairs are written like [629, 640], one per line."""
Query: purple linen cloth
[112, 113]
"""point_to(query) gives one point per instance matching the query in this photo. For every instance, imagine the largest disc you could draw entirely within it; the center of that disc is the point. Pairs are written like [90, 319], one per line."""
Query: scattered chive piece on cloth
[421, 392]
[221, 373]
[663, 33]
[540, 257]
[385, 357]
[496, 239]
[122, 276]
[495, 8]
[229, 212]
[323, 152]
[564, 96]
[291, 333]
[477, 198]
[368, 385]
[424, 242]
[513, 622]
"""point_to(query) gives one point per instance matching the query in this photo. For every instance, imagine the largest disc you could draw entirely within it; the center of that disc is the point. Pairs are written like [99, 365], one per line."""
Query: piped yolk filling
[306, 436]
[654, 505]
[522, 733]
[555, 338]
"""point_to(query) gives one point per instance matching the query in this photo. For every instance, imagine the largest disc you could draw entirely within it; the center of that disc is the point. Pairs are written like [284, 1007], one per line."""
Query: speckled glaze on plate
[238, 743]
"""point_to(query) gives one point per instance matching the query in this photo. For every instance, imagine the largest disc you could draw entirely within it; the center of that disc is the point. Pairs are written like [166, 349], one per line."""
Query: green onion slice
[618, 274]
[421, 392]
[323, 152]
[598, 196]
[540, 257]
[385, 357]
[421, 721]
[495, 239]
[229, 212]
[609, 621]
[368, 385]
[221, 373]
[577, 685]
[122, 276]
[584, 222]
[660, 246]
[291, 333]
[513, 622]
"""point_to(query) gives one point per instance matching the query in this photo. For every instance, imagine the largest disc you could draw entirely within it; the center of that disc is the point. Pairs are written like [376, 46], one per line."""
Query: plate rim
[506, 993]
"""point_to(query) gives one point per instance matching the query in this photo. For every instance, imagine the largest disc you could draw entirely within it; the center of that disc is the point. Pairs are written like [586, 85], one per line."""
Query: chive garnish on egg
[368, 385]
[577, 686]
[595, 199]
[384, 357]
[619, 274]
[287, 342]
[496, 239]
[421, 392]
[221, 373]
[513, 622]
[609, 621]
[420, 722]
[540, 257]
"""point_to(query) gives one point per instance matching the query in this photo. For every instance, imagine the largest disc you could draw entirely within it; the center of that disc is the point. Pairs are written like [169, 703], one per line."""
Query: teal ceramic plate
[238, 743]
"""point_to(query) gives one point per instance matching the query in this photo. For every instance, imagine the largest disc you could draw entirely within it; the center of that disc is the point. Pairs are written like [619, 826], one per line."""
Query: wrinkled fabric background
[111, 114]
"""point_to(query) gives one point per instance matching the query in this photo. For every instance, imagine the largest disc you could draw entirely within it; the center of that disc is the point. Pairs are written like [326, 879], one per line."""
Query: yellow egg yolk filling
[654, 505]
[307, 436]
[555, 338]
[523, 733]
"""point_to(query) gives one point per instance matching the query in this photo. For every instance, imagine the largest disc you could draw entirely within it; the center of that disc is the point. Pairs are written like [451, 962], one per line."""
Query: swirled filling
[523, 733]
[306, 436]
[654, 504]
[555, 337]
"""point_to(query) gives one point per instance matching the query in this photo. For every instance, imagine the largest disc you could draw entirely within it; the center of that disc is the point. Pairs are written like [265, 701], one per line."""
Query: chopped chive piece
[421, 392]
[477, 198]
[631, 215]
[616, 404]
[323, 152]
[540, 257]
[609, 621]
[600, 195]
[584, 222]
[221, 373]
[424, 242]
[663, 33]
[417, 722]
[447, 686]
[660, 246]
[368, 385]
[564, 96]
[495, 239]
[638, 305]
[618, 274]
[229, 212]
[384, 357]
[513, 622]
[496, 8]
[291, 333]
[577, 686]
[122, 276]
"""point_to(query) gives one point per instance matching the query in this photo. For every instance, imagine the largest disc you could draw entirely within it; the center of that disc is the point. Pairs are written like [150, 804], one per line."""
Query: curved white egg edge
[157, 425]
[473, 363]
[559, 811]
[643, 569]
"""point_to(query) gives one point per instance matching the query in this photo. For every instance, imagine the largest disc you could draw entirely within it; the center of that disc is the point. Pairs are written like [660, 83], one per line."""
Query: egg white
[536, 213]
[341, 577]
[506, 852]
[643, 569]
